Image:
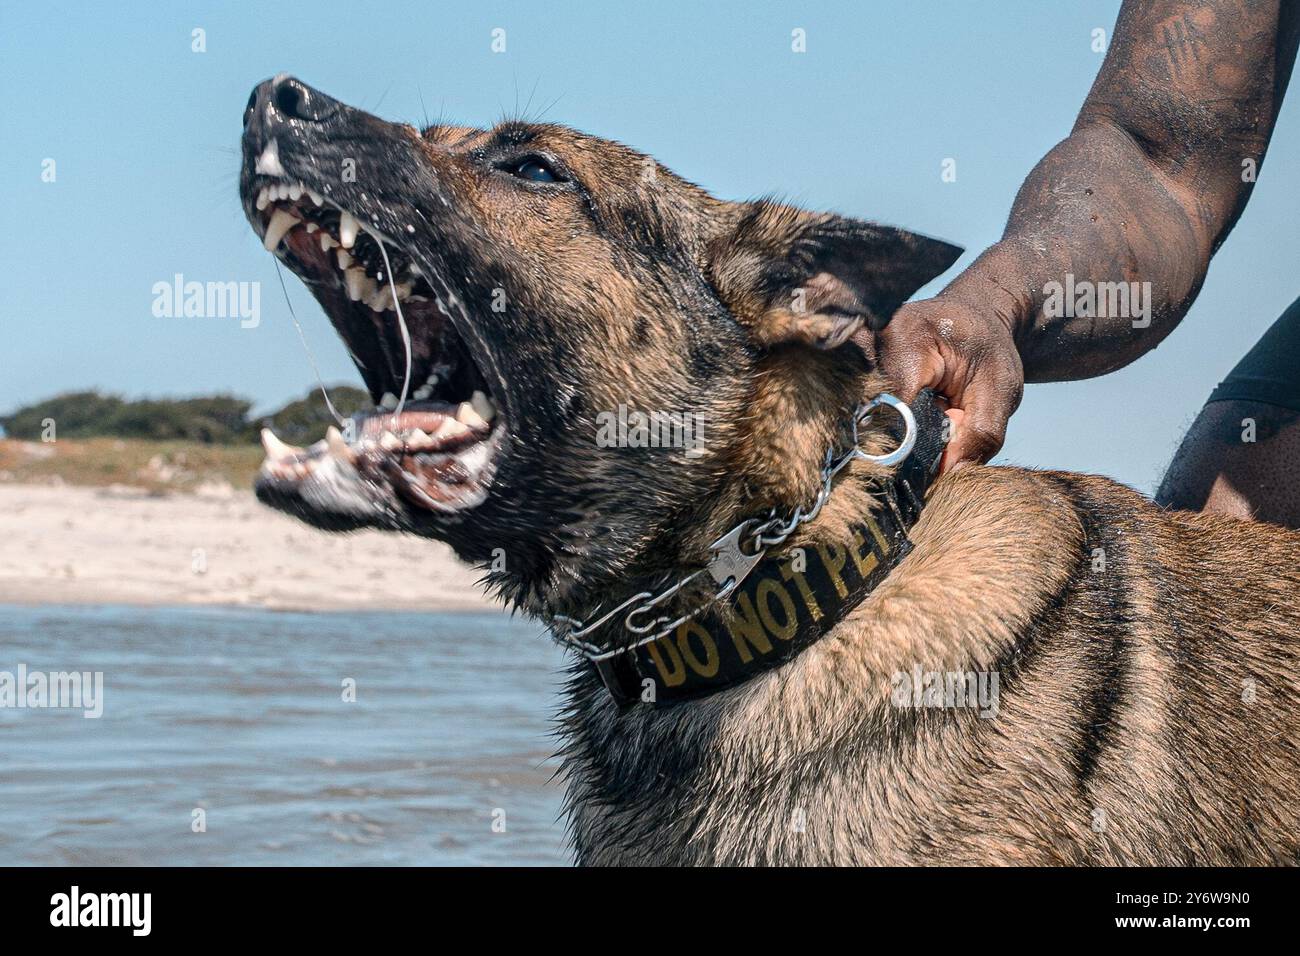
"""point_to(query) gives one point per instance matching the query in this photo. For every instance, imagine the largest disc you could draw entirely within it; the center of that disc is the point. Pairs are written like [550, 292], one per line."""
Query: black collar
[789, 600]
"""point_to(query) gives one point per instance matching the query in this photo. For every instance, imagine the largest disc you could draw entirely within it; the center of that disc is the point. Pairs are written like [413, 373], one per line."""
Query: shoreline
[64, 544]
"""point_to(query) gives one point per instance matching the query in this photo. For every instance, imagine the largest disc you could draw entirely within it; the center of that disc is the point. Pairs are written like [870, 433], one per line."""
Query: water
[240, 713]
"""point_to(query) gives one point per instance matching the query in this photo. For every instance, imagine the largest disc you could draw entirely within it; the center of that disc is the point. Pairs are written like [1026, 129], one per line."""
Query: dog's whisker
[401, 322]
[311, 359]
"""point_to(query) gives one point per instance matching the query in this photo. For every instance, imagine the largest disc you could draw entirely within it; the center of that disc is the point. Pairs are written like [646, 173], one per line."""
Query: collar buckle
[730, 564]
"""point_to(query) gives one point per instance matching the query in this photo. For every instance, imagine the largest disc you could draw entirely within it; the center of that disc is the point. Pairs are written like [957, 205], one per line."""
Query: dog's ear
[816, 278]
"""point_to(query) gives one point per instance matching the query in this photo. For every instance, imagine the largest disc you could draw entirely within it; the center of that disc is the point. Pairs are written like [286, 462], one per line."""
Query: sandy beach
[124, 545]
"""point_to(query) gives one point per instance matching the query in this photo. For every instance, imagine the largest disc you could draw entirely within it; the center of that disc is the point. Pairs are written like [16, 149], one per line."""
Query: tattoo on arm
[1151, 180]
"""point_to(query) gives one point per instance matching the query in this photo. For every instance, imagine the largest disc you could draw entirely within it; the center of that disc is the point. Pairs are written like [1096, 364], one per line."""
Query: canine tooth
[483, 405]
[276, 449]
[347, 229]
[466, 415]
[281, 222]
[263, 198]
[355, 280]
[316, 197]
[342, 255]
[327, 242]
[268, 164]
[295, 191]
[449, 428]
[337, 446]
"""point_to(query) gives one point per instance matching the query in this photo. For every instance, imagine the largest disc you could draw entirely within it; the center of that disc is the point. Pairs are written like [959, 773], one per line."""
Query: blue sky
[145, 133]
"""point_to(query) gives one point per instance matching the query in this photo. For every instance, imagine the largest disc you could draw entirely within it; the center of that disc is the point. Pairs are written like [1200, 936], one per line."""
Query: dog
[786, 652]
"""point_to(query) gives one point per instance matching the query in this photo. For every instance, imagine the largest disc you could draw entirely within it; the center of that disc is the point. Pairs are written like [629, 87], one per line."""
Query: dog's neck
[799, 410]
[769, 588]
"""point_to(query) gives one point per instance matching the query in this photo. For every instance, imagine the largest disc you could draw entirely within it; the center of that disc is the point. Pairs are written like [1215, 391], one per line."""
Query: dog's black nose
[288, 98]
[297, 100]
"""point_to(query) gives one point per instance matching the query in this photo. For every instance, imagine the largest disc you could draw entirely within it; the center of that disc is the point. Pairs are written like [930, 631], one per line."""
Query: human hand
[969, 357]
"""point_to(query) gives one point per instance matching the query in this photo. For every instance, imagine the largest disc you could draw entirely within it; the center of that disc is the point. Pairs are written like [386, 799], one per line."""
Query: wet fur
[1126, 732]
[1122, 735]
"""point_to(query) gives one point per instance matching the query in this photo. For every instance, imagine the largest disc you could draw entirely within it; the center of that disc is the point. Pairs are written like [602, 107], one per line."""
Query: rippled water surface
[241, 714]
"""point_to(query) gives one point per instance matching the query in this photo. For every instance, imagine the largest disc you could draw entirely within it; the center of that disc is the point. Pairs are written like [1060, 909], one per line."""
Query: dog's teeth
[316, 197]
[355, 279]
[268, 164]
[388, 402]
[281, 222]
[263, 198]
[337, 446]
[276, 449]
[466, 415]
[389, 442]
[312, 227]
[418, 438]
[404, 291]
[347, 230]
[327, 242]
[342, 256]
[484, 406]
[295, 191]
[450, 428]
[381, 300]
[422, 392]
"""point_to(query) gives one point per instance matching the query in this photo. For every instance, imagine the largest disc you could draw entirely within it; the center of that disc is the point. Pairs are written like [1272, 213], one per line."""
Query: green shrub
[211, 419]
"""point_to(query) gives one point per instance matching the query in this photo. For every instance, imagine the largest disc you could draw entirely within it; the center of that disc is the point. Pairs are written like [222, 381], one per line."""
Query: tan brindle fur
[1147, 661]
[1146, 716]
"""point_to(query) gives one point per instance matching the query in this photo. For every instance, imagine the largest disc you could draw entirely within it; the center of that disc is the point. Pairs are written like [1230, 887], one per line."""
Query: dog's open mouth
[436, 431]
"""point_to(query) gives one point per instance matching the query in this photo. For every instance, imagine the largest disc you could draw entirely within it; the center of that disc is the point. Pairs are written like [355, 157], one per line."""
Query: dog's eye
[534, 169]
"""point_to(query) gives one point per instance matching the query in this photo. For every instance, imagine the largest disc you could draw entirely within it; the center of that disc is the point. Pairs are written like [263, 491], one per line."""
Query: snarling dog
[787, 649]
